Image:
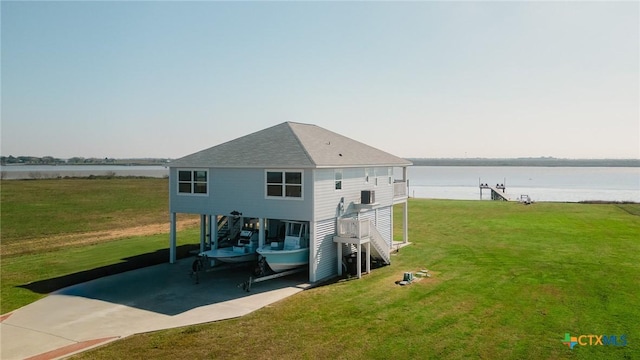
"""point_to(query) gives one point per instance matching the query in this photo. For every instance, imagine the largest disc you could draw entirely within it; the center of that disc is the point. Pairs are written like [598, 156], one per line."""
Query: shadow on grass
[130, 263]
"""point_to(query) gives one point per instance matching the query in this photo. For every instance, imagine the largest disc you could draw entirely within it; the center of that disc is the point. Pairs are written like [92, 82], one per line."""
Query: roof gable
[290, 145]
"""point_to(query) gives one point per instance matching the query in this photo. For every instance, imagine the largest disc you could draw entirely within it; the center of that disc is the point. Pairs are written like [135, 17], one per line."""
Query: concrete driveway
[154, 298]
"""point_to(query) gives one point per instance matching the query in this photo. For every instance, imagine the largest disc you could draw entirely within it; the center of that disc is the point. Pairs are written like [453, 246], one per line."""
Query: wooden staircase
[359, 232]
[380, 247]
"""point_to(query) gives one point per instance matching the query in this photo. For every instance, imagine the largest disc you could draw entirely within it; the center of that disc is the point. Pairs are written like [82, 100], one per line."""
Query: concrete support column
[368, 257]
[393, 209]
[339, 258]
[214, 233]
[203, 231]
[172, 238]
[405, 222]
[313, 253]
[405, 178]
[209, 242]
[261, 232]
[359, 261]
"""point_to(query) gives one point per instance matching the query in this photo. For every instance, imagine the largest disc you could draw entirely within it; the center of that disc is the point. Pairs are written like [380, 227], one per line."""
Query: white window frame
[193, 182]
[337, 181]
[375, 176]
[283, 184]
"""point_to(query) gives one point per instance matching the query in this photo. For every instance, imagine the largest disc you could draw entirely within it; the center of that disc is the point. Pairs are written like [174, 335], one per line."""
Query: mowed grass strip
[33, 209]
[508, 281]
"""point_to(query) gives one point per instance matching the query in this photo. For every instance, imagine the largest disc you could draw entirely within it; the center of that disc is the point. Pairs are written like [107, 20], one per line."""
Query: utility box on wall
[367, 197]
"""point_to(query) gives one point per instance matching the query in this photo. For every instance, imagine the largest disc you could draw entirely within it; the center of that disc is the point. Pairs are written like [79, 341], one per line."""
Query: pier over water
[497, 191]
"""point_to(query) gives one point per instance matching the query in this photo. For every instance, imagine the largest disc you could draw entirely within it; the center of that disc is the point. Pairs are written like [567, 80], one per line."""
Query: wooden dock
[497, 192]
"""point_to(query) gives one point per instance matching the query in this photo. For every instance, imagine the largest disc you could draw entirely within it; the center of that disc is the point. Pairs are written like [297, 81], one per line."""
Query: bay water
[566, 184]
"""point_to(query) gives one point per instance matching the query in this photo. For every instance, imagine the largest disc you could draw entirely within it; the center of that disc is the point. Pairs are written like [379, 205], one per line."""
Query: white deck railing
[353, 228]
[360, 229]
[399, 189]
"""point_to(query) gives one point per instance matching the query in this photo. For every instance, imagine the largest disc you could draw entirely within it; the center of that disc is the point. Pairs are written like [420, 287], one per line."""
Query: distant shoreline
[545, 162]
[151, 164]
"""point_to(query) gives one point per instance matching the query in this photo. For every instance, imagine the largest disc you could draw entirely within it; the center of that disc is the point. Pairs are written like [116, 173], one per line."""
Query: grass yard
[59, 266]
[508, 282]
[42, 209]
[52, 229]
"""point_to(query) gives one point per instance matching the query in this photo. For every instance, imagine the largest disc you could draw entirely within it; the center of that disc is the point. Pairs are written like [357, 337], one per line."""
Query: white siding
[368, 215]
[383, 224]
[327, 198]
[327, 208]
[242, 190]
[325, 254]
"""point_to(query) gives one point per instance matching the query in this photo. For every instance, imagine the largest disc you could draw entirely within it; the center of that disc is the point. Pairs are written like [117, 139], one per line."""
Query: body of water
[570, 184]
[567, 184]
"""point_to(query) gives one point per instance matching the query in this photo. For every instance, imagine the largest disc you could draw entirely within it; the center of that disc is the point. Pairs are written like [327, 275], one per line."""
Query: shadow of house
[128, 264]
[163, 288]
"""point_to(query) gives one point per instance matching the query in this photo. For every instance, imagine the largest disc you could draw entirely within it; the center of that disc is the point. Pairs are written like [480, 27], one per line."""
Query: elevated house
[342, 191]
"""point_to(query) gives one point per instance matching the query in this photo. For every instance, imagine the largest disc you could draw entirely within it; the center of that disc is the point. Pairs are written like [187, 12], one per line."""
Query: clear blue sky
[417, 79]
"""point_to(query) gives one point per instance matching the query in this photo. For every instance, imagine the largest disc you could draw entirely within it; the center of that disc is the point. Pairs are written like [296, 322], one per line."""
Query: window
[390, 175]
[338, 177]
[284, 184]
[366, 175]
[376, 172]
[192, 181]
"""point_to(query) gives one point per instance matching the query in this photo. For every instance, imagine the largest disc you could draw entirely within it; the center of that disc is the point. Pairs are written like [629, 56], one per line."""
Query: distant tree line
[50, 160]
[31, 160]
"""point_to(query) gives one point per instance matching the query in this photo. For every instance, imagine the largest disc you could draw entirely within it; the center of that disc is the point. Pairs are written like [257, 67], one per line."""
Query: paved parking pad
[154, 298]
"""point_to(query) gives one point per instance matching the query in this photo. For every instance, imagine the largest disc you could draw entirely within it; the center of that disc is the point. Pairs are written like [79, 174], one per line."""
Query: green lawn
[33, 209]
[21, 270]
[39, 216]
[508, 282]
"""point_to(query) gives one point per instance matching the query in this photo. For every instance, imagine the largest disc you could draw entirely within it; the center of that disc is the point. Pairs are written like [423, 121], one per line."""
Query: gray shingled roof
[290, 145]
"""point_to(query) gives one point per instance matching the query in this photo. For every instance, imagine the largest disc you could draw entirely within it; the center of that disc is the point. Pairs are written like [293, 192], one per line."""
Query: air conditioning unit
[367, 197]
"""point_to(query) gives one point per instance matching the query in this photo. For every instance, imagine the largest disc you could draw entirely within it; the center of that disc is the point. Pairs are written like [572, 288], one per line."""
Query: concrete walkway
[154, 298]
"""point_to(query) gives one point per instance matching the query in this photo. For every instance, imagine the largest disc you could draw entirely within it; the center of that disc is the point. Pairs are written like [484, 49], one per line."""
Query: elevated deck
[400, 191]
[361, 232]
